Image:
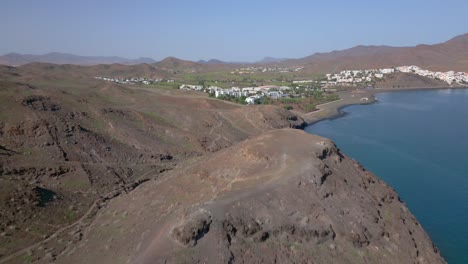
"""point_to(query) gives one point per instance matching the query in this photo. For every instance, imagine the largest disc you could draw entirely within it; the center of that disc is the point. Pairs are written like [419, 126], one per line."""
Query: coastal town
[300, 88]
[250, 95]
[353, 77]
[253, 95]
[133, 80]
[252, 70]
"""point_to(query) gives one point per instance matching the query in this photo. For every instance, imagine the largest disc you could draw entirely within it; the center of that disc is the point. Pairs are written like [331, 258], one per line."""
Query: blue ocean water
[416, 141]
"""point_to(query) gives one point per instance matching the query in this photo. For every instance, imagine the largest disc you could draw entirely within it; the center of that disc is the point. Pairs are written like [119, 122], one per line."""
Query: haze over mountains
[449, 55]
[265, 60]
[16, 59]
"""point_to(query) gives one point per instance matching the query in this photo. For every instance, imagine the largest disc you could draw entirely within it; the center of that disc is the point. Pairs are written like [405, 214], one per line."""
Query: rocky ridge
[100, 173]
[281, 197]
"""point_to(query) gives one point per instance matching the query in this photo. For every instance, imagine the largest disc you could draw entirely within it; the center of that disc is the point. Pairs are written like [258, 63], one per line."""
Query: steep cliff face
[281, 197]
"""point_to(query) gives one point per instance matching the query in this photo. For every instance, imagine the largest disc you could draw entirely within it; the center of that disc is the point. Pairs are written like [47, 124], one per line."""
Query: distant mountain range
[213, 61]
[450, 55]
[271, 60]
[15, 59]
[446, 56]
[265, 60]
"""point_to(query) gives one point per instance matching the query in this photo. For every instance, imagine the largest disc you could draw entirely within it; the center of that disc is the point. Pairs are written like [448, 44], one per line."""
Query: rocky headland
[93, 172]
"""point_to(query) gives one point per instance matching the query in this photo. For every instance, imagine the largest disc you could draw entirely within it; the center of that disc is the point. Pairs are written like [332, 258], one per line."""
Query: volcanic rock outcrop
[281, 197]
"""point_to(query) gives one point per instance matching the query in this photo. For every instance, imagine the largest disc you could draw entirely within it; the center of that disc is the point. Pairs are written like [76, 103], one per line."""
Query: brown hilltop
[34, 71]
[281, 197]
[166, 69]
[408, 80]
[176, 65]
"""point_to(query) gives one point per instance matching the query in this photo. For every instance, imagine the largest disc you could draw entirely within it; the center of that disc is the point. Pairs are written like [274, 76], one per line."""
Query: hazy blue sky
[241, 30]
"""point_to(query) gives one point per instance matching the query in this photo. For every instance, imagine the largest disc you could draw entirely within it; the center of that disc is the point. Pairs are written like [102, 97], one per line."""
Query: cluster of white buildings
[356, 76]
[304, 81]
[191, 87]
[133, 80]
[449, 77]
[234, 91]
[251, 70]
[362, 76]
[252, 94]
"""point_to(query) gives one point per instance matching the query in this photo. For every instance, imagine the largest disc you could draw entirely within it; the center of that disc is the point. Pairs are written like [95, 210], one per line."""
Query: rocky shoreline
[284, 196]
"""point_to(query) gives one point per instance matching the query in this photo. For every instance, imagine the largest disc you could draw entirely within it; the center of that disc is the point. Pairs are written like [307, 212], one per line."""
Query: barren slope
[282, 197]
[66, 143]
[408, 80]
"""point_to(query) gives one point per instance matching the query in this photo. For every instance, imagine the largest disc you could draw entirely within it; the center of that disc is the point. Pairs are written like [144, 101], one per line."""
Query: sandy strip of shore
[353, 97]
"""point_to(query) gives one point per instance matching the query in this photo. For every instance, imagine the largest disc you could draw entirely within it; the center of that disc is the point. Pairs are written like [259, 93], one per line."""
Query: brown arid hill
[51, 72]
[16, 59]
[7, 72]
[175, 65]
[284, 196]
[166, 69]
[408, 80]
[447, 56]
[94, 172]
[67, 142]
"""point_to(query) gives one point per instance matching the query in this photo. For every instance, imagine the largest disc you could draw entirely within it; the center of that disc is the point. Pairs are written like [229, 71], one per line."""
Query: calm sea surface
[416, 141]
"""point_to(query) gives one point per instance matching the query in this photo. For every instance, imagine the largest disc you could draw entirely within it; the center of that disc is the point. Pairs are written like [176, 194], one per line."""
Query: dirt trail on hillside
[283, 196]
